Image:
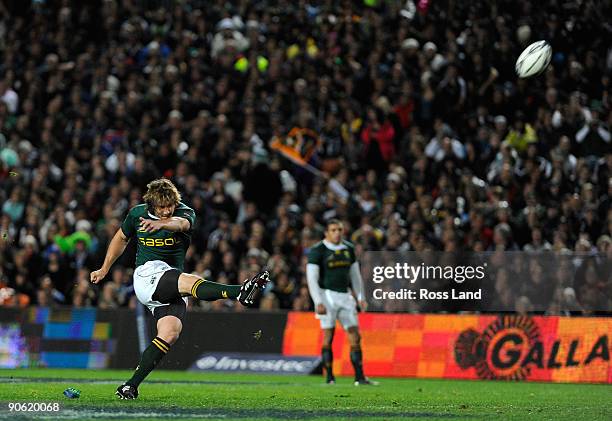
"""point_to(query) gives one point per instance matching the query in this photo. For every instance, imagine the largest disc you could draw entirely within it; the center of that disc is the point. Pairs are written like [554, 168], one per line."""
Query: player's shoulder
[182, 207]
[138, 210]
[348, 244]
[316, 248]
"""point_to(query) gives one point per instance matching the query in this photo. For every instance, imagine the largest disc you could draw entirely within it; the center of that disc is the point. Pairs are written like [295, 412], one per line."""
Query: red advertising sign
[509, 347]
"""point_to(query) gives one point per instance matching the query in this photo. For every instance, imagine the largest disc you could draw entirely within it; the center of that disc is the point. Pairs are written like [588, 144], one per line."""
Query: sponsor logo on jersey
[338, 264]
[343, 252]
[338, 259]
[158, 242]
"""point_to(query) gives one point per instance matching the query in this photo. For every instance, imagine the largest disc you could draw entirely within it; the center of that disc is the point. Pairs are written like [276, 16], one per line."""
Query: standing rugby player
[162, 227]
[332, 268]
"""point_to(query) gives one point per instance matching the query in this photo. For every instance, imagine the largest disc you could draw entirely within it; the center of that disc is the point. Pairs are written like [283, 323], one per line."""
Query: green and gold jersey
[163, 245]
[334, 265]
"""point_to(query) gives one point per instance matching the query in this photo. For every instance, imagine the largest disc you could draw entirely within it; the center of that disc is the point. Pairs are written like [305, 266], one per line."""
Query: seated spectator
[415, 143]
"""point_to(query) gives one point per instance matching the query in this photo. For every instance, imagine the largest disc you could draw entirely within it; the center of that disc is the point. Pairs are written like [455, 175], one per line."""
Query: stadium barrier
[540, 348]
[91, 338]
[67, 338]
[226, 333]
[510, 347]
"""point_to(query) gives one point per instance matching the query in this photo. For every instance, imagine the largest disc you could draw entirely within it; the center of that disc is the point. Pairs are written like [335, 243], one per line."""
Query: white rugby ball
[534, 59]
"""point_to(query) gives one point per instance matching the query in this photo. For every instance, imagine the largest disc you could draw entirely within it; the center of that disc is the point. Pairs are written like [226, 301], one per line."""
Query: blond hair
[162, 192]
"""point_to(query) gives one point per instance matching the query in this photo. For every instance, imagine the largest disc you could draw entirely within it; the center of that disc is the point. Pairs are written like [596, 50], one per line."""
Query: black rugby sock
[356, 360]
[149, 359]
[328, 358]
[211, 291]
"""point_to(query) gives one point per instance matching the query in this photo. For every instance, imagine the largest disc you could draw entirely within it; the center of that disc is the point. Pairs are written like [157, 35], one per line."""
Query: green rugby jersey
[334, 265]
[164, 245]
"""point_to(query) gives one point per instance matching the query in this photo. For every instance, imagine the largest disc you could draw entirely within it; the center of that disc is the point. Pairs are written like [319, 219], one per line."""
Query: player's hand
[98, 275]
[321, 309]
[150, 225]
[363, 305]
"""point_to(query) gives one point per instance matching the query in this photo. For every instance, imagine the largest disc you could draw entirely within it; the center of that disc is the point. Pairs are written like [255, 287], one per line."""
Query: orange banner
[510, 347]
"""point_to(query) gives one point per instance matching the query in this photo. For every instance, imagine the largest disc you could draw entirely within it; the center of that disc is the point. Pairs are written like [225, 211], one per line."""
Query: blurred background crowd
[424, 136]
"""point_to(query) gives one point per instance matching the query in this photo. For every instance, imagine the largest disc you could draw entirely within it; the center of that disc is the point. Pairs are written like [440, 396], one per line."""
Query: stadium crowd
[425, 137]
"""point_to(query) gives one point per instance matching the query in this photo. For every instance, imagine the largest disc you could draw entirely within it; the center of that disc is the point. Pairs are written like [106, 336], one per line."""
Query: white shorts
[146, 278]
[340, 306]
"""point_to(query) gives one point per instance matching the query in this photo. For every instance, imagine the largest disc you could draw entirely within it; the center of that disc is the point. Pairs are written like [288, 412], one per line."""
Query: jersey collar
[333, 246]
[152, 216]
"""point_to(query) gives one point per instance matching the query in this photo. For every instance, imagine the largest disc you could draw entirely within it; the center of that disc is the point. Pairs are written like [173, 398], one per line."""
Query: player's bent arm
[312, 277]
[176, 224]
[356, 281]
[115, 249]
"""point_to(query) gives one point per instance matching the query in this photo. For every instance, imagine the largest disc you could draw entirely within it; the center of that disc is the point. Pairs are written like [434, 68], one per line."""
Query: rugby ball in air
[534, 59]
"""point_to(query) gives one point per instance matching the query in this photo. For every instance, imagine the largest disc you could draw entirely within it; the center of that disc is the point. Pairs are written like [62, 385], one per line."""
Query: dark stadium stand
[409, 125]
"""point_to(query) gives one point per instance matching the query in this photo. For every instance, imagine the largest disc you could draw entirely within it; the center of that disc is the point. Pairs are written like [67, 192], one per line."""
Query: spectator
[378, 138]
[425, 142]
[109, 299]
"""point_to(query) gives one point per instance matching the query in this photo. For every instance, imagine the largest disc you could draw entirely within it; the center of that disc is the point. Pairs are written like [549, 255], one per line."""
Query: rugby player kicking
[331, 269]
[162, 226]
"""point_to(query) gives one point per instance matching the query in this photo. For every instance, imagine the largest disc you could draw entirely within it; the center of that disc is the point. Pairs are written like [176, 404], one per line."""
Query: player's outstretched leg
[168, 331]
[327, 356]
[357, 357]
[210, 291]
[205, 290]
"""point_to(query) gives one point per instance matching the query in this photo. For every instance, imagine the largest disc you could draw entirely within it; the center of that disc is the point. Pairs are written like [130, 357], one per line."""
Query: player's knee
[328, 337]
[186, 282]
[169, 329]
[354, 337]
[169, 335]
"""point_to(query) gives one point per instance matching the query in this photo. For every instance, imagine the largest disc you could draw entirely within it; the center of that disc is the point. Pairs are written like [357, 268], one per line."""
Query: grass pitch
[184, 395]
